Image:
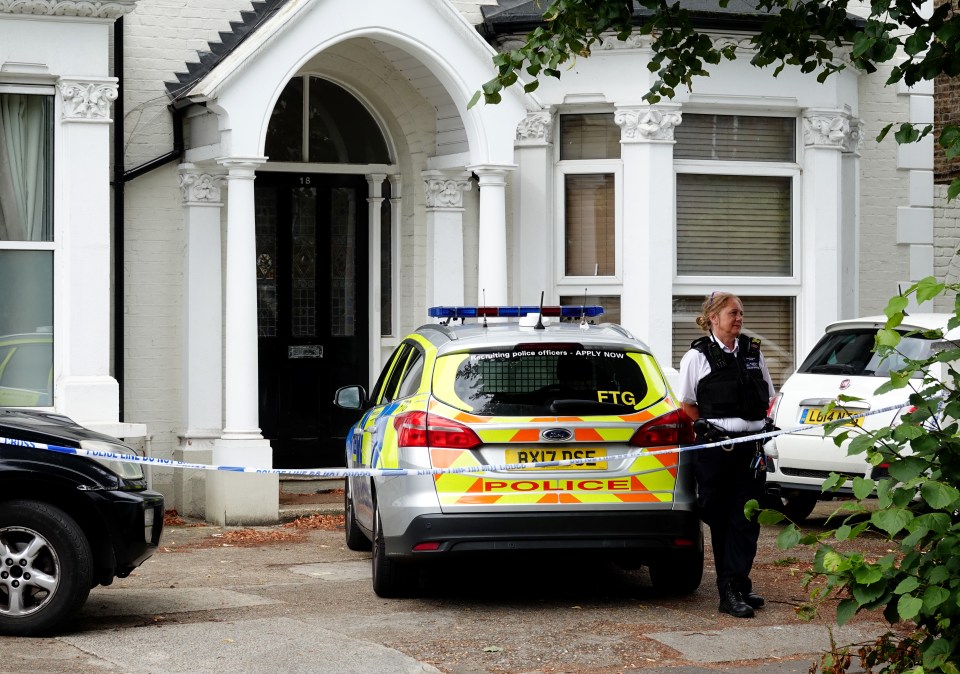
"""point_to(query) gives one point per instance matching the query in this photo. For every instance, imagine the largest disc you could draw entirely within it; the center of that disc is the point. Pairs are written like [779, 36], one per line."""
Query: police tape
[397, 472]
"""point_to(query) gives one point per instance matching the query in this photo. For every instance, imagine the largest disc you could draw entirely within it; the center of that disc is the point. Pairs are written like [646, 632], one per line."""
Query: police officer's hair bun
[713, 303]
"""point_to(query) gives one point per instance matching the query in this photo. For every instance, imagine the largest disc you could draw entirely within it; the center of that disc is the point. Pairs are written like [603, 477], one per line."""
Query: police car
[536, 431]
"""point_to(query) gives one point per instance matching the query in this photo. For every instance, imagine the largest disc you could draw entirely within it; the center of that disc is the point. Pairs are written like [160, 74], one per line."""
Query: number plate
[538, 454]
[817, 416]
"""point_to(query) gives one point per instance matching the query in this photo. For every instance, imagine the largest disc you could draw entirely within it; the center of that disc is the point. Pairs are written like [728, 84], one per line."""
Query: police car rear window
[532, 381]
[851, 352]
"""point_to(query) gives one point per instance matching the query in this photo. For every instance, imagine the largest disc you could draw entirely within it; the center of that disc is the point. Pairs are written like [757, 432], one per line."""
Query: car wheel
[796, 506]
[356, 540]
[46, 568]
[390, 578]
[677, 573]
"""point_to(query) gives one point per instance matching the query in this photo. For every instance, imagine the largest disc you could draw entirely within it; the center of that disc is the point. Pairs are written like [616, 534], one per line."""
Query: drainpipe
[120, 178]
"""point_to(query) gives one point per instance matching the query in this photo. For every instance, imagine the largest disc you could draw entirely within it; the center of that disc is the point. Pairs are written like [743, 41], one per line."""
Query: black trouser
[725, 482]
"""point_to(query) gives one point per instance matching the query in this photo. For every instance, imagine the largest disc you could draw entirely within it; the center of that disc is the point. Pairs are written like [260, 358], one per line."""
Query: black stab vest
[735, 386]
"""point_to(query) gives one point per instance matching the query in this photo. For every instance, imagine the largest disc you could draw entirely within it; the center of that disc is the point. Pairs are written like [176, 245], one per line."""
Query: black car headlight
[126, 470]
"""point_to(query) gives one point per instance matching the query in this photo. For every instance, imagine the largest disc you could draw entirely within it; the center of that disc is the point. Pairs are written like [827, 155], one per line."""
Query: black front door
[312, 310]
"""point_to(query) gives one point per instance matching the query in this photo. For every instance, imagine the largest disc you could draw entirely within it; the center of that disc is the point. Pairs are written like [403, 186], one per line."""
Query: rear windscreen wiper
[840, 368]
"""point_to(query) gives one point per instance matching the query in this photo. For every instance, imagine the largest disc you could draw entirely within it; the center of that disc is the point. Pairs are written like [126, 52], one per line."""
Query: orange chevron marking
[526, 435]
[587, 435]
[444, 458]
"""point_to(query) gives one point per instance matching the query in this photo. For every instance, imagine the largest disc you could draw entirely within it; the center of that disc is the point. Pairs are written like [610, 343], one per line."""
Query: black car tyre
[356, 540]
[797, 506]
[677, 573]
[390, 578]
[46, 567]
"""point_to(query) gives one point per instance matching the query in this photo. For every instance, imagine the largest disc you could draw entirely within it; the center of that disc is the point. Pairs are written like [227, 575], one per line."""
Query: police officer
[724, 380]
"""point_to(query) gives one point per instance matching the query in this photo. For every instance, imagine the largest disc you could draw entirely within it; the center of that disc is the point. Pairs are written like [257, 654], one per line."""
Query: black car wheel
[797, 506]
[46, 567]
[677, 573]
[390, 577]
[356, 540]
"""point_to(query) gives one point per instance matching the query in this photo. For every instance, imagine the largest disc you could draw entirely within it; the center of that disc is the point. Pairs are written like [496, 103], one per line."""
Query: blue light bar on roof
[514, 312]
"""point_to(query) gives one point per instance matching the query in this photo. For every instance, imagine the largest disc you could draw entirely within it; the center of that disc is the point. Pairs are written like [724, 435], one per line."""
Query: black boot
[750, 597]
[731, 602]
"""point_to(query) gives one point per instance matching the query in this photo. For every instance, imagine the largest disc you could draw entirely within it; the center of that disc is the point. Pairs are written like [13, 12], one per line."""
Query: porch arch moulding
[245, 86]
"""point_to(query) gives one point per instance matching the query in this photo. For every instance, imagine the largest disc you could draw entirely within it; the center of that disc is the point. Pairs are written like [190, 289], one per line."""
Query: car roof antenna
[539, 325]
[484, 293]
[583, 310]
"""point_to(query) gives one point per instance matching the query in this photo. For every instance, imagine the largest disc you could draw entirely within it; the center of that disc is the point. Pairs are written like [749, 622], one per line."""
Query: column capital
[444, 189]
[200, 186]
[87, 100]
[492, 174]
[828, 129]
[536, 129]
[647, 123]
[241, 167]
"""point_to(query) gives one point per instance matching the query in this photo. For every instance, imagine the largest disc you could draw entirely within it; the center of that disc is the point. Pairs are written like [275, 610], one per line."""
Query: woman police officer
[724, 380]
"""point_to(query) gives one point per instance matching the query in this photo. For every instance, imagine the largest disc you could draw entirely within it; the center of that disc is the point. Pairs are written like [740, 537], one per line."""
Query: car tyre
[677, 573]
[46, 567]
[391, 579]
[796, 506]
[356, 539]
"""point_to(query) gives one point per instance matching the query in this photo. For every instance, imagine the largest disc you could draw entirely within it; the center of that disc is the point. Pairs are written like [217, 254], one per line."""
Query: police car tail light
[674, 428]
[774, 404]
[420, 429]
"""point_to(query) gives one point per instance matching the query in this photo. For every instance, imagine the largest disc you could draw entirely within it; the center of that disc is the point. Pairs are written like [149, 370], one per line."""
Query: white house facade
[294, 183]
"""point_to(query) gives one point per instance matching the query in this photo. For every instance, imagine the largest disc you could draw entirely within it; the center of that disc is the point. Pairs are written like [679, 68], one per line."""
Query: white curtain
[24, 167]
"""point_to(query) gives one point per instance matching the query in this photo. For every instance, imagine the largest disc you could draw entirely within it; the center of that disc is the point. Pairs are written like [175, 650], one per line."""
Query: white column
[534, 235]
[374, 221]
[444, 194]
[202, 393]
[850, 234]
[492, 253]
[649, 189]
[86, 390]
[241, 415]
[825, 133]
[239, 498]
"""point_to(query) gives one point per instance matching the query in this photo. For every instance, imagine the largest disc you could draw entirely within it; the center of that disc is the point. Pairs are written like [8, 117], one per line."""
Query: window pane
[590, 203]
[285, 132]
[26, 167]
[771, 319]
[736, 138]
[733, 225]
[303, 268]
[589, 137]
[266, 232]
[341, 129]
[26, 328]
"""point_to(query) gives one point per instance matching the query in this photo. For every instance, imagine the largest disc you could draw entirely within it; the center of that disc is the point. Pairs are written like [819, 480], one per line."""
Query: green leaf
[933, 597]
[892, 520]
[789, 537]
[954, 189]
[908, 584]
[846, 609]
[928, 288]
[908, 468]
[862, 487]
[888, 338]
[896, 305]
[909, 607]
[938, 495]
[936, 653]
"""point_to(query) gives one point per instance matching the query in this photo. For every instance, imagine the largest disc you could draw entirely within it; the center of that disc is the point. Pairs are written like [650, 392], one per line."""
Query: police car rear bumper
[437, 535]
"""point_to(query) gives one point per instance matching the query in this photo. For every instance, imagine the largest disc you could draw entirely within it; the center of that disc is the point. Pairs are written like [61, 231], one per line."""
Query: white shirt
[694, 366]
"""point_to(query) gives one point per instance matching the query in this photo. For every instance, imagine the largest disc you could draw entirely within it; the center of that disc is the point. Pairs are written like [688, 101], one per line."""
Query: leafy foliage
[816, 36]
[917, 510]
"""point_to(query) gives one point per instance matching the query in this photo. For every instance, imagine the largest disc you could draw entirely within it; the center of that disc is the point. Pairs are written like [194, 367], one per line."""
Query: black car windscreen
[851, 352]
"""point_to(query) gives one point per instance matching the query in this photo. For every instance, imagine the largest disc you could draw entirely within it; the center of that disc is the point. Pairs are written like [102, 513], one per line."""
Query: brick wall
[946, 111]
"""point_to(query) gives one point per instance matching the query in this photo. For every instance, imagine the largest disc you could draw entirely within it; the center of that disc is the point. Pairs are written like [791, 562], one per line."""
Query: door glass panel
[303, 313]
[343, 253]
[266, 232]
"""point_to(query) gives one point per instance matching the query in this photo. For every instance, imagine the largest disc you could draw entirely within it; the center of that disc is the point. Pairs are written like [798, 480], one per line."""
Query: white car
[842, 363]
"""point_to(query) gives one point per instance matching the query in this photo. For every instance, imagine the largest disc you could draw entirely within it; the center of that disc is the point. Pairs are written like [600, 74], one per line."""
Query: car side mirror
[350, 398]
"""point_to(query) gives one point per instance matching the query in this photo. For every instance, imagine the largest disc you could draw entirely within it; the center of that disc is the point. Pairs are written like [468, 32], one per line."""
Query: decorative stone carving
[445, 191]
[647, 124]
[198, 187]
[854, 138]
[536, 127]
[84, 8]
[87, 100]
[826, 129]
